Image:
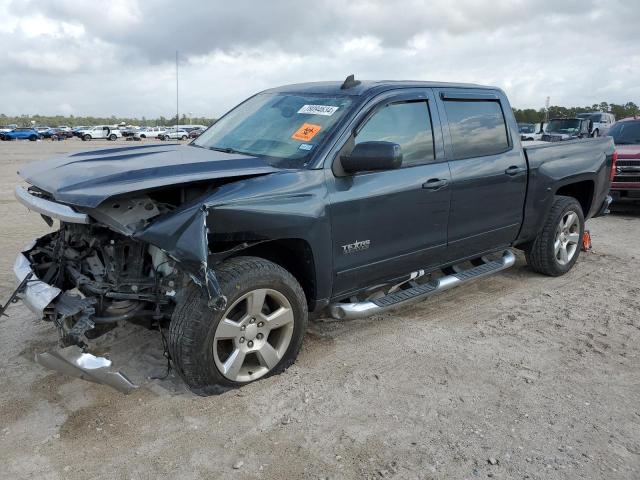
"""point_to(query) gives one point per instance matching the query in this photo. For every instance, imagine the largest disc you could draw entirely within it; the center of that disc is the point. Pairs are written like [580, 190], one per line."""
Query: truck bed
[553, 164]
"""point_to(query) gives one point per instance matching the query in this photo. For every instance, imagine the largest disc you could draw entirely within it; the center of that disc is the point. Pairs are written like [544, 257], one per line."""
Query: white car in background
[601, 122]
[530, 131]
[174, 134]
[100, 132]
[150, 132]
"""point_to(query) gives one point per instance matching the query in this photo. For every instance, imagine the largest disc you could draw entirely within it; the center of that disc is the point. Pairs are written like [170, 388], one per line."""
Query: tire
[543, 255]
[595, 133]
[86, 137]
[112, 137]
[200, 350]
[33, 138]
[143, 136]
[184, 137]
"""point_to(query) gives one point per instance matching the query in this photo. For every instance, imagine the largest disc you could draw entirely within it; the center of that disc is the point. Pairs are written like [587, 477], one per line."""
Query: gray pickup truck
[343, 199]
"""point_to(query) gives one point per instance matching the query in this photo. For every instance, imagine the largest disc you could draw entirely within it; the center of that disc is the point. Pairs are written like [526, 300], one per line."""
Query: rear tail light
[614, 160]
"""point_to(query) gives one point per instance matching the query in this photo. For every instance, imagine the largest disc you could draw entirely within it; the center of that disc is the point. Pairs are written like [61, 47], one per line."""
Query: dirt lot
[516, 376]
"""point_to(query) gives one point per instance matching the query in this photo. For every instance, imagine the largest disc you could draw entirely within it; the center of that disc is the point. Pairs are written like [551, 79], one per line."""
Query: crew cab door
[388, 223]
[488, 171]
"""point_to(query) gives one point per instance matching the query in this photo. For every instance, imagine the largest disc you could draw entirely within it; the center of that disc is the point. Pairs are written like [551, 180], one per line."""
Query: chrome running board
[348, 311]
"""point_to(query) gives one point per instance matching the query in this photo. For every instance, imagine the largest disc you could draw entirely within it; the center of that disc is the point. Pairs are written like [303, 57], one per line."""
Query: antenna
[177, 101]
[350, 82]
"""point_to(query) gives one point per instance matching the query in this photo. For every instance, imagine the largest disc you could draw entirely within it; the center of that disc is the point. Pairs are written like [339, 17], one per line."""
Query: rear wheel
[258, 334]
[33, 138]
[112, 137]
[557, 247]
[595, 133]
[184, 137]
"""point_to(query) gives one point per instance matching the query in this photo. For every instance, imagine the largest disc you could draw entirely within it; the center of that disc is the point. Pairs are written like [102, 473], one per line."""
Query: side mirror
[371, 156]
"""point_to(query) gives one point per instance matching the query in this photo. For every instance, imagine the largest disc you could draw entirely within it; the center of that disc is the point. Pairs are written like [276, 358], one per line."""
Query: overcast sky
[116, 57]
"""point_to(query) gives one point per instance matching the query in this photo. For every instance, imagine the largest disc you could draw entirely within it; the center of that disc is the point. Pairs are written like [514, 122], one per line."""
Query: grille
[628, 163]
[626, 179]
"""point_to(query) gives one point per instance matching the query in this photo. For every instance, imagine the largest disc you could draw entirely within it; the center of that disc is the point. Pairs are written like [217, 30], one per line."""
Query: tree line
[73, 121]
[527, 115]
[530, 115]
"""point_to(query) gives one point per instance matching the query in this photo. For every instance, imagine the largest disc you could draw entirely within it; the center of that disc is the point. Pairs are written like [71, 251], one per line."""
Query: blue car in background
[21, 134]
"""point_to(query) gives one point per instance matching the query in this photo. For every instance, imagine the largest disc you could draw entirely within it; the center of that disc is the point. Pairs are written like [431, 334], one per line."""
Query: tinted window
[626, 133]
[477, 127]
[407, 124]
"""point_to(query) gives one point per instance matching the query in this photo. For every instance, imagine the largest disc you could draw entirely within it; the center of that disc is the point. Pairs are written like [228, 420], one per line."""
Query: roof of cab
[369, 86]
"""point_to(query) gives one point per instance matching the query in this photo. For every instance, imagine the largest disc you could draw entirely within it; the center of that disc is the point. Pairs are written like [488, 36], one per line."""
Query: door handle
[435, 183]
[514, 170]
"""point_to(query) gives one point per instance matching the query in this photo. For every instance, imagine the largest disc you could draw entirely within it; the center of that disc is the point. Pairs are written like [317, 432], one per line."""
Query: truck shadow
[626, 209]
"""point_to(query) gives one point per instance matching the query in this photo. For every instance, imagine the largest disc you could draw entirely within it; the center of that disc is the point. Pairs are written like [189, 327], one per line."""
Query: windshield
[626, 133]
[563, 126]
[285, 128]
[526, 128]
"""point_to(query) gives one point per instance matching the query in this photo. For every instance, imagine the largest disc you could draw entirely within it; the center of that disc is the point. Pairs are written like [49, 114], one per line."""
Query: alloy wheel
[253, 335]
[567, 237]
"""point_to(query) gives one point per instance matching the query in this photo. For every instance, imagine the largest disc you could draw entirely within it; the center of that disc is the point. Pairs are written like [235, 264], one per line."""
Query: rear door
[488, 171]
[388, 223]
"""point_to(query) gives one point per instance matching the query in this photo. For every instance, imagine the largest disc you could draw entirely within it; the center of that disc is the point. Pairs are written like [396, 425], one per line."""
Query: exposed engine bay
[105, 277]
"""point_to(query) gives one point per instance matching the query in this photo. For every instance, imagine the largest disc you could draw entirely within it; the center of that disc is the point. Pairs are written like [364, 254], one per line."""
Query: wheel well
[295, 256]
[581, 191]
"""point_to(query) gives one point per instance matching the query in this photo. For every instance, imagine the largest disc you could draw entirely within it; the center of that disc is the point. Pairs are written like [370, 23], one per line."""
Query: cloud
[116, 57]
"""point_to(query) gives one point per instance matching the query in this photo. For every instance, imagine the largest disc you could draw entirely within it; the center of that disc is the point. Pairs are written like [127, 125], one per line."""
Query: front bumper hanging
[72, 360]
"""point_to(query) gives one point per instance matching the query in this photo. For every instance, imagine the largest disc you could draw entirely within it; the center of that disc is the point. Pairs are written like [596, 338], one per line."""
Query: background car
[196, 132]
[21, 134]
[174, 134]
[76, 130]
[56, 134]
[129, 131]
[100, 132]
[626, 181]
[601, 122]
[566, 129]
[150, 132]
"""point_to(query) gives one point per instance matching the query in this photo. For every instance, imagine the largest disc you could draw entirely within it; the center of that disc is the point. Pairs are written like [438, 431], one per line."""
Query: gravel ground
[515, 376]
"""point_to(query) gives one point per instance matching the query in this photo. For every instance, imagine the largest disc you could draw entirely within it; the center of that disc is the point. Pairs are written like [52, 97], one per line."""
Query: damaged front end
[124, 260]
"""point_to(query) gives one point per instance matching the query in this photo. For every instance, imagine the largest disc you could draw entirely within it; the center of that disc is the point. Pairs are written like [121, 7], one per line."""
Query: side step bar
[348, 311]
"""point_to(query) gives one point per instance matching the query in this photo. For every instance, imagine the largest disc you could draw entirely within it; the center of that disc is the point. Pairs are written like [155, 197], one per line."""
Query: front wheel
[258, 334]
[33, 138]
[595, 134]
[184, 137]
[557, 247]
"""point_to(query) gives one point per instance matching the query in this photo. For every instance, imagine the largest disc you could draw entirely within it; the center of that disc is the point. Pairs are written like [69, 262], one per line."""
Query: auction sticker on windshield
[306, 132]
[327, 110]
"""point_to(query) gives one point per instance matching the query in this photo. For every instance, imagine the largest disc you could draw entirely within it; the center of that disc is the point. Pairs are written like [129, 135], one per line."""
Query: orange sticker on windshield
[306, 132]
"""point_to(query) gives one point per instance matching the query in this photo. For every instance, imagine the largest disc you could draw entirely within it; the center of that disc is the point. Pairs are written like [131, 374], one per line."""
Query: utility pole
[177, 101]
[546, 109]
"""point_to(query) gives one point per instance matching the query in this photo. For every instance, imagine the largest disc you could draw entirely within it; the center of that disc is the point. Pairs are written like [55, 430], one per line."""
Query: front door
[387, 224]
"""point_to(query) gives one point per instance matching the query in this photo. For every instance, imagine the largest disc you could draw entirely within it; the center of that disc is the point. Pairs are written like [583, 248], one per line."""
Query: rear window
[477, 128]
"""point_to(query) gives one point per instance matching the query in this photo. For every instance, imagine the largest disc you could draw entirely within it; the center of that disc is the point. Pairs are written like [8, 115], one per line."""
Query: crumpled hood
[86, 179]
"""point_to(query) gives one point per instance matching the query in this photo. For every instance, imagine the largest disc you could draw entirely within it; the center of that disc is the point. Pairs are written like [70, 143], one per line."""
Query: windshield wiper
[227, 150]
